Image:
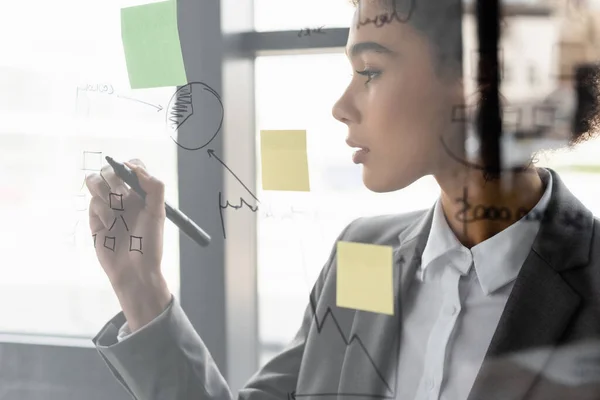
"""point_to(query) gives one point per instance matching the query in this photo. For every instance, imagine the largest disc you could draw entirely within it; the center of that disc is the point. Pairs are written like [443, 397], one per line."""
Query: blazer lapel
[371, 360]
[541, 303]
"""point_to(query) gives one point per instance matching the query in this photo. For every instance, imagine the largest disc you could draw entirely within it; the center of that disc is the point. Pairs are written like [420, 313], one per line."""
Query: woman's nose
[342, 111]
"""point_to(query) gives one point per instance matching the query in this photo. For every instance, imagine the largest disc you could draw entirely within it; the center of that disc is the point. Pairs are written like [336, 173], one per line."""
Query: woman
[482, 302]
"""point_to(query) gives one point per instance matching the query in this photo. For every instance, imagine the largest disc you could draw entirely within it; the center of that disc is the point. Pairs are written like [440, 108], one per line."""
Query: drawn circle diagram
[180, 111]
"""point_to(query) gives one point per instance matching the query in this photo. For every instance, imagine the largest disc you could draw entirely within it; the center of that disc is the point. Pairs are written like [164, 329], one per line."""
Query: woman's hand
[128, 238]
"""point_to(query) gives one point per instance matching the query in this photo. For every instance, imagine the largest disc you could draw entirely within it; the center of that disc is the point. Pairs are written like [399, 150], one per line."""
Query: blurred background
[65, 103]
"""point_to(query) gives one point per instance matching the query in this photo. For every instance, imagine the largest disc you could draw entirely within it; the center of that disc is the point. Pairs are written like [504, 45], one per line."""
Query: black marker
[182, 221]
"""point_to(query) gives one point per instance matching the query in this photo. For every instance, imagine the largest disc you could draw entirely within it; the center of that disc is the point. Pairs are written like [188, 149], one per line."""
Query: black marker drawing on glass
[79, 202]
[288, 214]
[463, 113]
[119, 207]
[117, 200]
[158, 107]
[99, 88]
[235, 207]
[308, 31]
[92, 161]
[545, 119]
[115, 221]
[387, 18]
[511, 121]
[486, 170]
[138, 244]
[116, 204]
[211, 154]
[328, 315]
[109, 243]
[494, 213]
[70, 235]
[109, 90]
[181, 110]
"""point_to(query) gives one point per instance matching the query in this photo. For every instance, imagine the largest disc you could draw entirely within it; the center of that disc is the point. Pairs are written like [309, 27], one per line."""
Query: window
[66, 103]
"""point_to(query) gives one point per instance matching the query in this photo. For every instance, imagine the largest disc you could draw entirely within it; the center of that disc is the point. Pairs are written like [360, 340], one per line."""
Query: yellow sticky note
[365, 277]
[284, 160]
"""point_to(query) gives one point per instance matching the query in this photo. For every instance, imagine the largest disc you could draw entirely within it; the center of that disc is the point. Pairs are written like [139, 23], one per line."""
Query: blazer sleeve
[168, 360]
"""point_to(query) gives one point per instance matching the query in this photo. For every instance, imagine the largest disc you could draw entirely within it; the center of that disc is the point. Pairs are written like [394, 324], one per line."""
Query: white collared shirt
[451, 310]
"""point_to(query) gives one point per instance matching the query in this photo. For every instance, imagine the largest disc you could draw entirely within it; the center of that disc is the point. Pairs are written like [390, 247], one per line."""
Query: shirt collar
[498, 259]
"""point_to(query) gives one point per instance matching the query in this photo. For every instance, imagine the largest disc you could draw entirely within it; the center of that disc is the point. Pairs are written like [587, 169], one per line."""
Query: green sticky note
[365, 277]
[151, 43]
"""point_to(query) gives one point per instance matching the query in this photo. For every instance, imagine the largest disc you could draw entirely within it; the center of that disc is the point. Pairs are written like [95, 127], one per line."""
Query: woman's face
[396, 107]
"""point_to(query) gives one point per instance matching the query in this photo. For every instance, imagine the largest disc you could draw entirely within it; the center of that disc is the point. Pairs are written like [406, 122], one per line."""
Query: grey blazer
[350, 354]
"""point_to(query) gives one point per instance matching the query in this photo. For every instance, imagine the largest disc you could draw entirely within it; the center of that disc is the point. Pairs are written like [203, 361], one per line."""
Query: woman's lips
[359, 156]
[361, 152]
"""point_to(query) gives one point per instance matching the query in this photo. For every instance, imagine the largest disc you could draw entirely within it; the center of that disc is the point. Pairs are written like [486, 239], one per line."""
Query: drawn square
[116, 201]
[544, 116]
[69, 235]
[512, 118]
[460, 113]
[135, 243]
[92, 161]
[181, 107]
[475, 63]
[109, 242]
[83, 182]
[80, 202]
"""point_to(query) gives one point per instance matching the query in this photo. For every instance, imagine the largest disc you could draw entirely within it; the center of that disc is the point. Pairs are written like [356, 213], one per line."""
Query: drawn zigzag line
[183, 107]
[347, 342]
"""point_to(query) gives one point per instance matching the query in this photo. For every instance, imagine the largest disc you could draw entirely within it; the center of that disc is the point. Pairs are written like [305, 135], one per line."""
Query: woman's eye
[369, 73]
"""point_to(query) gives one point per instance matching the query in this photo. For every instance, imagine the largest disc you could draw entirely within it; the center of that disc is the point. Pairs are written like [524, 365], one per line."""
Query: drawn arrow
[211, 153]
[158, 107]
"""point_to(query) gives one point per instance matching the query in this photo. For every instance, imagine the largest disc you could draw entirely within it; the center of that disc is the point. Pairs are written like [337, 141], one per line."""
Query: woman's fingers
[112, 181]
[101, 215]
[154, 188]
[97, 186]
[104, 183]
[136, 161]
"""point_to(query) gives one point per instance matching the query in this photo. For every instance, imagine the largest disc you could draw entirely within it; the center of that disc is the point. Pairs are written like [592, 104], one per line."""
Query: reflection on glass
[298, 92]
